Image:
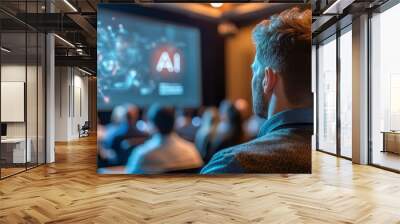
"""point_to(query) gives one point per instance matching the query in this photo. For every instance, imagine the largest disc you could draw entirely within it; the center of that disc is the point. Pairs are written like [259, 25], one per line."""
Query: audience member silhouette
[206, 133]
[184, 126]
[122, 134]
[229, 131]
[165, 151]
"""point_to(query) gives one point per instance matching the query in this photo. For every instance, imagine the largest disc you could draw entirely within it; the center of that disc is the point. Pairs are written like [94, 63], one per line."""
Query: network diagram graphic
[141, 65]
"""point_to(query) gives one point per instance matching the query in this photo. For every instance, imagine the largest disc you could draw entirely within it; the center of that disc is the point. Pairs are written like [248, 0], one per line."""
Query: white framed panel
[12, 101]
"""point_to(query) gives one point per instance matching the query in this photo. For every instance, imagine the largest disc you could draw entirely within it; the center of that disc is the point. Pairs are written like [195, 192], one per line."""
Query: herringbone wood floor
[70, 191]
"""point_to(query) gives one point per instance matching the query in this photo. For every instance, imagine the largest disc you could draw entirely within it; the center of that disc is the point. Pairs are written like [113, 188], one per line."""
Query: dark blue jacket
[282, 146]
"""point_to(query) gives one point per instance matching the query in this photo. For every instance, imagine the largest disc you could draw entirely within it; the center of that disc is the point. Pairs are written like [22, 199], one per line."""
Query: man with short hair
[165, 151]
[281, 89]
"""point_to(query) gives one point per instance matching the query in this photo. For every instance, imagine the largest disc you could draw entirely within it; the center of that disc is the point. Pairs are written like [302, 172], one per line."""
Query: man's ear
[270, 80]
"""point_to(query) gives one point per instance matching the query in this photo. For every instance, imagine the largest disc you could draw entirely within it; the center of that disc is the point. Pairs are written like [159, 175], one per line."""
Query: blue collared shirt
[226, 161]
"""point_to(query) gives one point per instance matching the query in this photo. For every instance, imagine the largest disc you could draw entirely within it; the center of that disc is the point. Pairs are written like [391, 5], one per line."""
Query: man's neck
[277, 106]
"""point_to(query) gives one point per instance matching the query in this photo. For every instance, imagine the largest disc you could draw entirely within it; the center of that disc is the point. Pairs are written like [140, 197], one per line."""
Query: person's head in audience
[281, 68]
[184, 117]
[229, 130]
[243, 107]
[230, 114]
[119, 114]
[133, 114]
[207, 132]
[184, 125]
[210, 117]
[223, 107]
[161, 119]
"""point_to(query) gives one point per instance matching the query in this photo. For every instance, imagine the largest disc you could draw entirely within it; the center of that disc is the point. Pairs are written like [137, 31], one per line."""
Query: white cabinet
[19, 155]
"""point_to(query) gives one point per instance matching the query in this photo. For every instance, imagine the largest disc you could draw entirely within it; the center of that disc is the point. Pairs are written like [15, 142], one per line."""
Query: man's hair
[283, 43]
[162, 117]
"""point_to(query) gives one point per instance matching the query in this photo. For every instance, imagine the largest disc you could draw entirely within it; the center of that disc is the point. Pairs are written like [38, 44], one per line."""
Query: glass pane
[41, 99]
[314, 78]
[327, 96]
[31, 86]
[13, 86]
[385, 84]
[22, 89]
[31, 97]
[346, 94]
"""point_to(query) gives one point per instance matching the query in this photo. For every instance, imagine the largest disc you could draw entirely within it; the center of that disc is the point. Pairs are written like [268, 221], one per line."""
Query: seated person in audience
[252, 126]
[251, 123]
[122, 135]
[184, 125]
[107, 154]
[229, 130]
[243, 107]
[132, 136]
[207, 133]
[281, 89]
[165, 151]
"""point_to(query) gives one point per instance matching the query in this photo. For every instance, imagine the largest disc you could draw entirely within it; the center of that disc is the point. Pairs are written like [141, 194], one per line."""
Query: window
[346, 93]
[385, 89]
[327, 96]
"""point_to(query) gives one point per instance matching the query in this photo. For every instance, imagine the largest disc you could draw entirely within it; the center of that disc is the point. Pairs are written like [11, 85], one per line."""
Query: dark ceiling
[75, 20]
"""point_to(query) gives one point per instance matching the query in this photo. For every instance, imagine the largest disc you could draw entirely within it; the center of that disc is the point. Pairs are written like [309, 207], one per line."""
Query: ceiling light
[5, 50]
[84, 71]
[64, 40]
[70, 5]
[216, 4]
[337, 7]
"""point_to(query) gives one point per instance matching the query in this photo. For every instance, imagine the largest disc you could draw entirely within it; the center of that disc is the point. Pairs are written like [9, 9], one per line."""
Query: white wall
[71, 94]
[61, 103]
